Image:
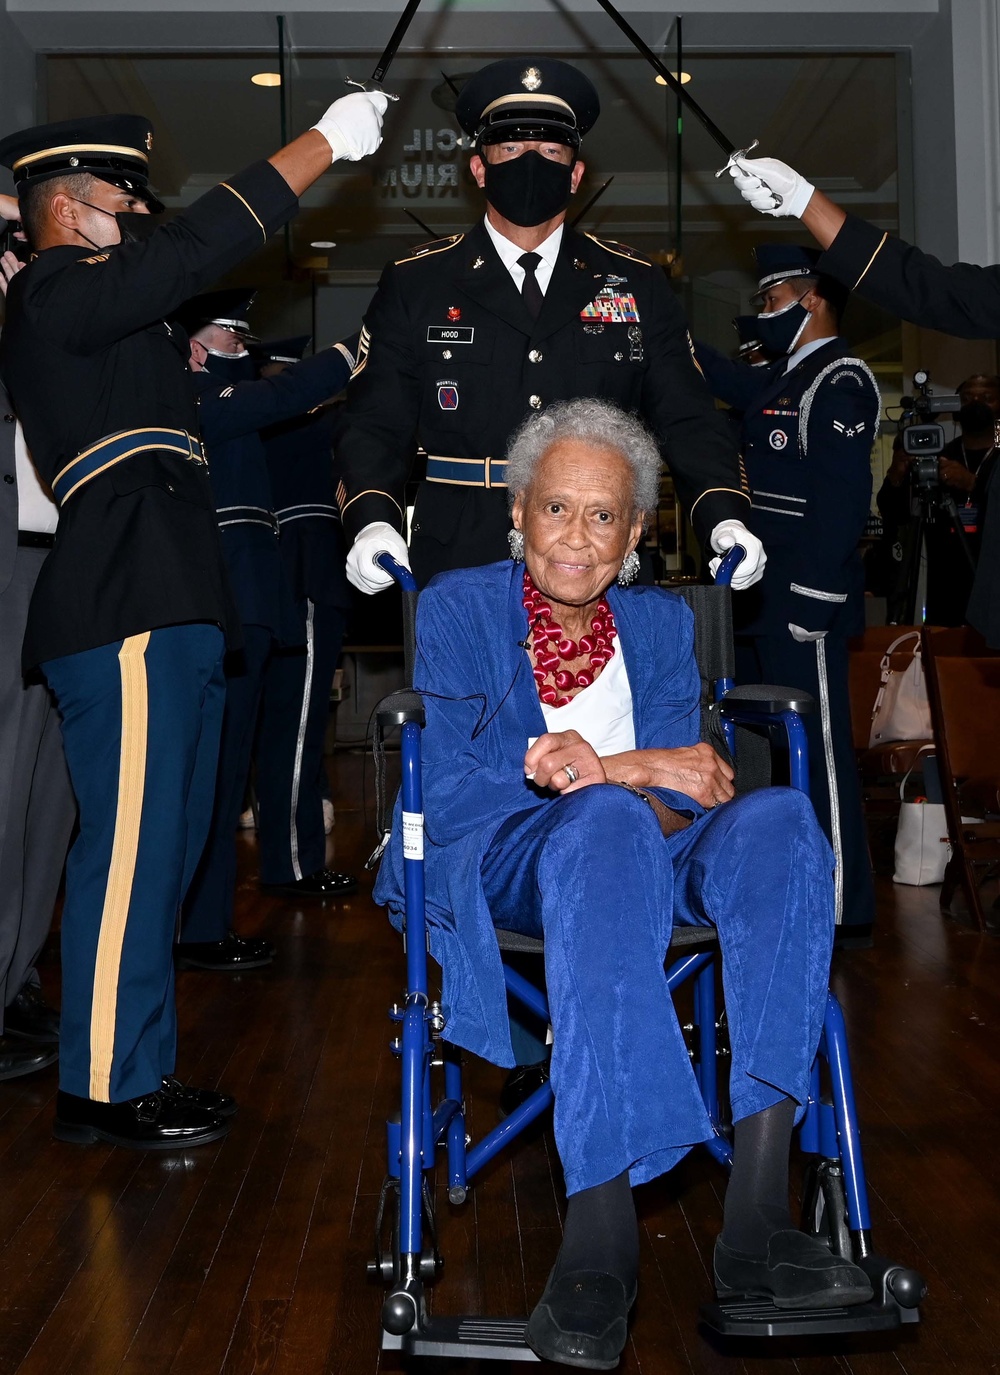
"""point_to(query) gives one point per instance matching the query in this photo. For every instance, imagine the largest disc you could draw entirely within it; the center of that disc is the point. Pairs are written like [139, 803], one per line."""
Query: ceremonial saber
[593, 200]
[733, 153]
[374, 83]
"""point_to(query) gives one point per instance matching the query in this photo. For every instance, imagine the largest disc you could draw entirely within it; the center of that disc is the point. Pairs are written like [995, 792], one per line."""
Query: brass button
[9, 419]
[619, 357]
[534, 356]
[446, 353]
[171, 487]
[535, 402]
[8, 478]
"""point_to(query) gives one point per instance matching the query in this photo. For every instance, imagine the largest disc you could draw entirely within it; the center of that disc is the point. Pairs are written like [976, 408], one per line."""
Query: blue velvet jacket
[482, 705]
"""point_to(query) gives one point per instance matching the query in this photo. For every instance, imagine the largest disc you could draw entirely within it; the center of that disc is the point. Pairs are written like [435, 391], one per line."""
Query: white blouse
[601, 713]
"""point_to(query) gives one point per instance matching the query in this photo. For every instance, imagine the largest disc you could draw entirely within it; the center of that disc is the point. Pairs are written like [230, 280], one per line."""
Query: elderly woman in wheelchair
[567, 797]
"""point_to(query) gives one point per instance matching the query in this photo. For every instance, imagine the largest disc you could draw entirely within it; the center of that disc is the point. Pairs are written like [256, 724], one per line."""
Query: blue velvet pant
[593, 875]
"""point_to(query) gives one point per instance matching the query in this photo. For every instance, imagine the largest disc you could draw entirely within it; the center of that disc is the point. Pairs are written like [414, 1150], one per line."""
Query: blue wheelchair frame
[836, 1198]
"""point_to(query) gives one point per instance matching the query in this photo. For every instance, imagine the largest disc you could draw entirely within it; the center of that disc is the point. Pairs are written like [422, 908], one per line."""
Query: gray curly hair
[593, 423]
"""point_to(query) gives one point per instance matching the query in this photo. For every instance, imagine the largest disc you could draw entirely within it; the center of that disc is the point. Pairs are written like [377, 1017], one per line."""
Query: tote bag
[901, 711]
[922, 848]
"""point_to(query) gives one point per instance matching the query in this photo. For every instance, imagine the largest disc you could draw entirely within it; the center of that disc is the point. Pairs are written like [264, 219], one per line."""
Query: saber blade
[382, 66]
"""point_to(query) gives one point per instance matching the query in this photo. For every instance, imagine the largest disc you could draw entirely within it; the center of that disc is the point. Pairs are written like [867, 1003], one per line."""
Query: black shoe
[18, 1057]
[154, 1122]
[324, 884]
[31, 1017]
[208, 1099]
[581, 1320]
[853, 937]
[229, 956]
[520, 1084]
[798, 1272]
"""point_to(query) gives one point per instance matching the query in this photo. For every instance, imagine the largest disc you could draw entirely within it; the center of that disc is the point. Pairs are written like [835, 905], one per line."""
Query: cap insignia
[531, 79]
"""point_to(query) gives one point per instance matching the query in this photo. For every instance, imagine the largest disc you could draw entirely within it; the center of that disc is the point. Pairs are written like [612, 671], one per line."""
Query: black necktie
[531, 292]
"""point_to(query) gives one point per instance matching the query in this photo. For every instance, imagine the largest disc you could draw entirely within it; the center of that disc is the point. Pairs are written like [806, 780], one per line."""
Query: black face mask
[976, 417]
[780, 330]
[135, 226]
[231, 367]
[530, 189]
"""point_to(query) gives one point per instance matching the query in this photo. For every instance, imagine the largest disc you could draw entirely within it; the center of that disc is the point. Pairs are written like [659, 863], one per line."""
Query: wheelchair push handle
[408, 586]
[732, 560]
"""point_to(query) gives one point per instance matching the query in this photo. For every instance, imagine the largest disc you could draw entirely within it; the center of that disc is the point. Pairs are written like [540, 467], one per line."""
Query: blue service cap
[778, 262]
[283, 350]
[748, 334]
[528, 98]
[114, 148]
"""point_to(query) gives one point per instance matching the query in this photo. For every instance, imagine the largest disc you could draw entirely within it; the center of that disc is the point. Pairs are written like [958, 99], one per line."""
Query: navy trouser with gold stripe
[140, 719]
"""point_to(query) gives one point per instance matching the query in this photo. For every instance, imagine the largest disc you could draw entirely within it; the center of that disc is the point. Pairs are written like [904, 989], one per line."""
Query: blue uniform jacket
[482, 706]
[807, 437]
[232, 414]
[313, 548]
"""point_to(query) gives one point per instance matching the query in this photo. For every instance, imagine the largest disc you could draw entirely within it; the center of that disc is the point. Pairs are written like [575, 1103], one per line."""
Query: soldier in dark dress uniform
[132, 607]
[234, 406]
[468, 335]
[808, 426]
[295, 707]
[963, 300]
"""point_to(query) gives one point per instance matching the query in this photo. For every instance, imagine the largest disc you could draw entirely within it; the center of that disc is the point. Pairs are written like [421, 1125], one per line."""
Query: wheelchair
[432, 1120]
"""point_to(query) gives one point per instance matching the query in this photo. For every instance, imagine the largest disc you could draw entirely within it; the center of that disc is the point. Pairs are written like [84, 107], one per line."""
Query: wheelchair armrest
[767, 699]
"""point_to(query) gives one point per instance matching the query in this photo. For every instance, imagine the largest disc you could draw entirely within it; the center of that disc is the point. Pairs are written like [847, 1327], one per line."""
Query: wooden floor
[248, 1257]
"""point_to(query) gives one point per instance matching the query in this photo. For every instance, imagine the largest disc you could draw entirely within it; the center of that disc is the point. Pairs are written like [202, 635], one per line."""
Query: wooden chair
[963, 680]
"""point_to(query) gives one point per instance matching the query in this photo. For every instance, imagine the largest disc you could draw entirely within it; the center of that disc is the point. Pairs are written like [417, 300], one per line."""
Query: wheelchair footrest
[750, 1317]
[484, 1339]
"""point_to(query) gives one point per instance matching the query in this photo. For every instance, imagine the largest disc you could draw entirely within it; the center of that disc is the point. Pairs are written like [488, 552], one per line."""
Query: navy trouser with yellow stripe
[140, 720]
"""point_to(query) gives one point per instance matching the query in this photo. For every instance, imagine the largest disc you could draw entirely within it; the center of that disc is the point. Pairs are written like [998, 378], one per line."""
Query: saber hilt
[734, 161]
[369, 86]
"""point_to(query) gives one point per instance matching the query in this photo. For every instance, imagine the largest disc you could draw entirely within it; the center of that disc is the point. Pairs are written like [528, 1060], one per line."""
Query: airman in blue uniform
[808, 427]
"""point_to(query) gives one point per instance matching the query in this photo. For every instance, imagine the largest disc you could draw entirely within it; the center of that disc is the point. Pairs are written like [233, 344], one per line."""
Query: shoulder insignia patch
[694, 356]
[621, 250]
[427, 250]
[97, 258]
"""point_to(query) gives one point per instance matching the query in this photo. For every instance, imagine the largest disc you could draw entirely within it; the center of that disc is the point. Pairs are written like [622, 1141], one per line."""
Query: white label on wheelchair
[413, 835]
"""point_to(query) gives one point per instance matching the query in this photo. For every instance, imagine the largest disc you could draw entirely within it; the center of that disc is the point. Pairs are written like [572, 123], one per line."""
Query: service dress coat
[963, 300]
[450, 360]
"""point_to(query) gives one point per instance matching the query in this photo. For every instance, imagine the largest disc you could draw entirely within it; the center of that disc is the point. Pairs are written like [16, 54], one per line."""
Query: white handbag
[901, 710]
[922, 848]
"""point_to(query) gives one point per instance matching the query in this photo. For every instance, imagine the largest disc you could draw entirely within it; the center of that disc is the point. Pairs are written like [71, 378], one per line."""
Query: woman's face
[576, 518]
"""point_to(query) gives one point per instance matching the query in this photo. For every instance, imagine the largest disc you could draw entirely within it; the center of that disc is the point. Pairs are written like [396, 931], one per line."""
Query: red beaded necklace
[551, 647]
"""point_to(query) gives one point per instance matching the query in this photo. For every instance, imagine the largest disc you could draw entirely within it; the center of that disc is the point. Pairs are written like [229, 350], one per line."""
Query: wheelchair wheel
[824, 1207]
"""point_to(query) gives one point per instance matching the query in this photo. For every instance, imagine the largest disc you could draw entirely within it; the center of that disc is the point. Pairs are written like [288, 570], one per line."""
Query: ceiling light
[660, 81]
[322, 243]
[266, 79]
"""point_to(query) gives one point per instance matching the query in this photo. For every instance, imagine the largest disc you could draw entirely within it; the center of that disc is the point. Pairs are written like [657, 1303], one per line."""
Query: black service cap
[747, 332]
[778, 262]
[113, 147]
[528, 98]
[227, 308]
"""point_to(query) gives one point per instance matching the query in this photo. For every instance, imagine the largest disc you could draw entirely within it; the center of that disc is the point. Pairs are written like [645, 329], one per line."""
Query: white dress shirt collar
[509, 252]
[806, 349]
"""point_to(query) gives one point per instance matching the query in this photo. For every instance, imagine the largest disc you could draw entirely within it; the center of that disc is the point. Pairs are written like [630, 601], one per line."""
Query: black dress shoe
[154, 1122]
[324, 884]
[581, 1320]
[208, 1099]
[798, 1272]
[31, 1017]
[853, 936]
[229, 956]
[520, 1084]
[18, 1057]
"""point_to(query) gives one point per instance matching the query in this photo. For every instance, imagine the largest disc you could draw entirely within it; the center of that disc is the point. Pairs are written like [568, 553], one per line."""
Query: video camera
[922, 437]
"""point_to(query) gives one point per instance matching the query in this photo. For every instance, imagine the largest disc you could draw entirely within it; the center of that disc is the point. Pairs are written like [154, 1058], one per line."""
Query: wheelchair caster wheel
[457, 1194]
[907, 1287]
[399, 1314]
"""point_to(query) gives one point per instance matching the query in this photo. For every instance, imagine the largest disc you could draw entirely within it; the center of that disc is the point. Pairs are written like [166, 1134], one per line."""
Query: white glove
[761, 180]
[805, 636]
[377, 538]
[353, 125]
[751, 569]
